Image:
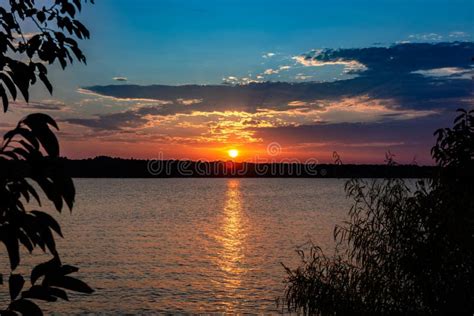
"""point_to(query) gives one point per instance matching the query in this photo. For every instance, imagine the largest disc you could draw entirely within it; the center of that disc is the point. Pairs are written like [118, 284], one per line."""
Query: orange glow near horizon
[247, 152]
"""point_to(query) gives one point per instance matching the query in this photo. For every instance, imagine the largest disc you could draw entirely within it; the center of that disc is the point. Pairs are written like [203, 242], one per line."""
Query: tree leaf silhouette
[8, 236]
[44, 268]
[15, 283]
[72, 284]
[26, 307]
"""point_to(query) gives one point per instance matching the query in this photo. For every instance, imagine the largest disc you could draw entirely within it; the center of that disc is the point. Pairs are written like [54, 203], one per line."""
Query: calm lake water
[191, 245]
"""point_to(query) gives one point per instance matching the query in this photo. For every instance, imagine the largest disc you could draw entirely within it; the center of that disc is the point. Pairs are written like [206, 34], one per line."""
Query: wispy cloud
[458, 35]
[118, 98]
[301, 76]
[270, 71]
[233, 80]
[429, 37]
[188, 101]
[447, 73]
[315, 61]
[437, 37]
[268, 55]
[120, 78]
[44, 105]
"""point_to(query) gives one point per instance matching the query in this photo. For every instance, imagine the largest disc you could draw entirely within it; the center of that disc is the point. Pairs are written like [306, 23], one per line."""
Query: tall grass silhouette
[403, 249]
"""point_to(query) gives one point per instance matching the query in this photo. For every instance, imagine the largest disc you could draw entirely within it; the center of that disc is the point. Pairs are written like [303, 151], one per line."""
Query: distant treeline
[107, 167]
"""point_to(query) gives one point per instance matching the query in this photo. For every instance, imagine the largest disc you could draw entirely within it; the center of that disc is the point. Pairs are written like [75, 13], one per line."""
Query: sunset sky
[192, 79]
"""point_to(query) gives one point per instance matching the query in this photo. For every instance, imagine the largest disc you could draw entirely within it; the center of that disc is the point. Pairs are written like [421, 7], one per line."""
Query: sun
[233, 153]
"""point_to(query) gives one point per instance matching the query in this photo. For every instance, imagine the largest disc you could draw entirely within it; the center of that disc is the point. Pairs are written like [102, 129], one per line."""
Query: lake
[191, 245]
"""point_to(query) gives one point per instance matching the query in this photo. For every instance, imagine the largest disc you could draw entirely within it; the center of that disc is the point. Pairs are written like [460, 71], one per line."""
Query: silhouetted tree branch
[26, 148]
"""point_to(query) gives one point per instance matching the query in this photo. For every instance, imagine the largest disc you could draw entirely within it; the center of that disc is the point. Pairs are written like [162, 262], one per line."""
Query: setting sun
[233, 153]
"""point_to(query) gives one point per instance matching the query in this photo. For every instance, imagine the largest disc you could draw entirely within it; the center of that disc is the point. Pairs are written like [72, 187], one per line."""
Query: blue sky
[359, 77]
[202, 41]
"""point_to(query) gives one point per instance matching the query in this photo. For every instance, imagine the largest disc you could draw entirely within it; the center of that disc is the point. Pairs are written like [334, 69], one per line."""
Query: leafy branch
[54, 40]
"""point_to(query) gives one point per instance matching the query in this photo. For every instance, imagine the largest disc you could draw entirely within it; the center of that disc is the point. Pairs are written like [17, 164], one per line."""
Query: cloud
[301, 76]
[189, 101]
[436, 37]
[120, 98]
[44, 105]
[399, 73]
[447, 73]
[430, 37]
[458, 35]
[297, 103]
[362, 142]
[317, 58]
[230, 126]
[270, 71]
[399, 88]
[268, 55]
[232, 80]
[110, 122]
[416, 130]
[120, 78]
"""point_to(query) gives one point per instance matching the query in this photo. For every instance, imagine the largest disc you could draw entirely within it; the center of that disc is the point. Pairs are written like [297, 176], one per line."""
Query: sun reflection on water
[232, 240]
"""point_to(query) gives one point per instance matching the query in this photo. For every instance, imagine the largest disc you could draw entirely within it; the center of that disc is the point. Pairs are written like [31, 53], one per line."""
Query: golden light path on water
[232, 239]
